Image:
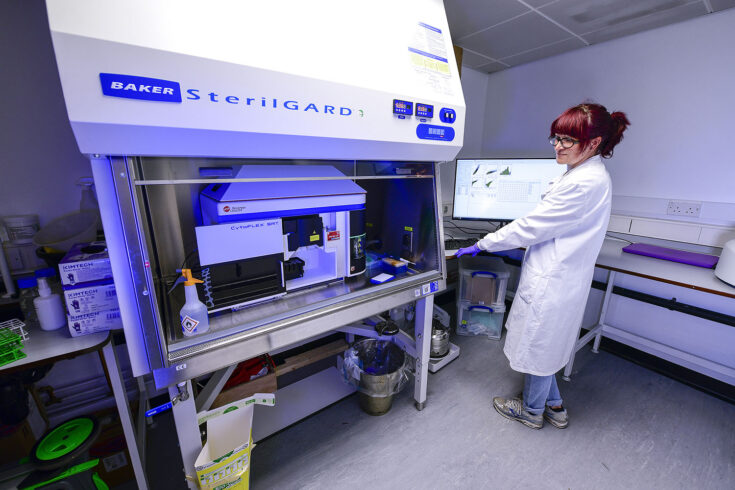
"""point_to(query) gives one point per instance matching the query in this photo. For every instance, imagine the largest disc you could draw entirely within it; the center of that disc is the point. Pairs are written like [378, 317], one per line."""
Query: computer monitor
[501, 189]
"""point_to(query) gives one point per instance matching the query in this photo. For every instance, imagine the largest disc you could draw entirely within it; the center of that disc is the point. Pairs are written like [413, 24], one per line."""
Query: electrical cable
[471, 230]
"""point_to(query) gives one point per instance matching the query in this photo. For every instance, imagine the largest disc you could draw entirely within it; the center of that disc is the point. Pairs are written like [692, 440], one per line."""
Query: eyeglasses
[565, 141]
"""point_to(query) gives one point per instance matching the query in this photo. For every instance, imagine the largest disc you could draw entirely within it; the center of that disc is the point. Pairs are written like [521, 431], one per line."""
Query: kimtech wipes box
[100, 321]
[92, 298]
[85, 262]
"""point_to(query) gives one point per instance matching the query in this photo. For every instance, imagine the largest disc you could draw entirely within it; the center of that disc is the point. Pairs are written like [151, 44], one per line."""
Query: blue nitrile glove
[474, 250]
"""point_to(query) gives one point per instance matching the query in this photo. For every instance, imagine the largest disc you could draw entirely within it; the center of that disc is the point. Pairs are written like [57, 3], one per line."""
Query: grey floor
[629, 428]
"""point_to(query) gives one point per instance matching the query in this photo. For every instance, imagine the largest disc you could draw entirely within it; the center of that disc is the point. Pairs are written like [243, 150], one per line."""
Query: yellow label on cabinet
[314, 238]
[408, 228]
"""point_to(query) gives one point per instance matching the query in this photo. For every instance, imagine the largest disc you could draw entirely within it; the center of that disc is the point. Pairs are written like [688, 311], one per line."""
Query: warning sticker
[332, 235]
[189, 324]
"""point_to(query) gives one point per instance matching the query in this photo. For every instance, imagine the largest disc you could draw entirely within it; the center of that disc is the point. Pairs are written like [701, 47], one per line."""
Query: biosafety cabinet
[294, 170]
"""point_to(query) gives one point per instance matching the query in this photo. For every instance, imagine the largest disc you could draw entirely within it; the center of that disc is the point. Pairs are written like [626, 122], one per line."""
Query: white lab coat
[562, 236]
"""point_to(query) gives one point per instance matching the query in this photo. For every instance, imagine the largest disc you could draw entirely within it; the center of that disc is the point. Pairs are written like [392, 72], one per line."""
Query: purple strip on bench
[691, 258]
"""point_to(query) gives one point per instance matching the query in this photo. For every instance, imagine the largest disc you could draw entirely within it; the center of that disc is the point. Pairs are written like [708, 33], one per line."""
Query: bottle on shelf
[27, 292]
[52, 279]
[49, 307]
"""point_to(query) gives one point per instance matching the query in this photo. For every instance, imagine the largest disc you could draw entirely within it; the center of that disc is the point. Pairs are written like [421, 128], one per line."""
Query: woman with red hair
[562, 237]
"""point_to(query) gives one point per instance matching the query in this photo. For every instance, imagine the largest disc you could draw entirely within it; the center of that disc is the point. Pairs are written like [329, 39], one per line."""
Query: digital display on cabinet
[424, 110]
[402, 107]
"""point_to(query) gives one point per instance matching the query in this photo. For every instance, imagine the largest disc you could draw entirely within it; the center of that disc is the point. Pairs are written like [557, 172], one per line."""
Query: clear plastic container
[21, 228]
[483, 280]
[480, 320]
[27, 292]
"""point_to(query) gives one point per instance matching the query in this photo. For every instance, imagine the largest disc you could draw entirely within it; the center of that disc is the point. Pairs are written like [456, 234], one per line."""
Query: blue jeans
[539, 391]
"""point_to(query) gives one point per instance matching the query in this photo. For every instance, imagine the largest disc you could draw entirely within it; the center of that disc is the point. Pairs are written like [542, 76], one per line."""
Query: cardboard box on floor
[16, 442]
[224, 461]
[112, 450]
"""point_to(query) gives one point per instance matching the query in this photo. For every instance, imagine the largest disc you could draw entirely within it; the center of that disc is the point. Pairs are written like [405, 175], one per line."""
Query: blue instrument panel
[432, 132]
[447, 115]
[424, 110]
[402, 107]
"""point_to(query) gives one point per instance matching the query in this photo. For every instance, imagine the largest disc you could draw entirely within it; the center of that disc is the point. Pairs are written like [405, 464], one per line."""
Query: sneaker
[512, 409]
[559, 419]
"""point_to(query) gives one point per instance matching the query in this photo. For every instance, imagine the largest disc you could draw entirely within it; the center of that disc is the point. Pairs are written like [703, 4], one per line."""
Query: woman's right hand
[474, 250]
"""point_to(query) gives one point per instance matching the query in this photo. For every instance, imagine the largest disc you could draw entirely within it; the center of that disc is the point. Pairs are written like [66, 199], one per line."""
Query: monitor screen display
[501, 189]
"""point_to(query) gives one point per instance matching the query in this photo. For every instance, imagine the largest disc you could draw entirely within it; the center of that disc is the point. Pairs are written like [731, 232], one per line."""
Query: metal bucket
[439, 341]
[382, 370]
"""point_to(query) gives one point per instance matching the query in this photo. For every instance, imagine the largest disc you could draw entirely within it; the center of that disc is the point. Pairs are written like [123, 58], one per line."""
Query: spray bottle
[193, 316]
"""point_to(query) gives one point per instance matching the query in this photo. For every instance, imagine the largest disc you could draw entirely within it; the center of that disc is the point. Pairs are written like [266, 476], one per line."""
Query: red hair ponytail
[619, 124]
[587, 121]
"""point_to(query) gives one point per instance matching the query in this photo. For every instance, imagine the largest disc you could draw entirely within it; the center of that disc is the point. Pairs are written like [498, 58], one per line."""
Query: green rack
[10, 347]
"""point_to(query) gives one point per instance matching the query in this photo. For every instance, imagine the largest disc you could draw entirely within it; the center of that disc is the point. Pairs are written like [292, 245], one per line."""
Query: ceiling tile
[466, 17]
[670, 16]
[474, 60]
[526, 32]
[721, 4]
[592, 15]
[491, 68]
[539, 3]
[544, 51]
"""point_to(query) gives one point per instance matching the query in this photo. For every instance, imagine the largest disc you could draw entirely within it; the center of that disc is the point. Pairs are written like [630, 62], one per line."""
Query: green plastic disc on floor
[64, 439]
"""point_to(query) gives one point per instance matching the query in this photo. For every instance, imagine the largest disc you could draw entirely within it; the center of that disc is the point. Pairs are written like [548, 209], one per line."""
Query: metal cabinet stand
[185, 407]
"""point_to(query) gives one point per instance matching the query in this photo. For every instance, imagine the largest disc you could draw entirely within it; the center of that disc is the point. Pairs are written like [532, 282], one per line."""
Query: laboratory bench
[650, 353]
[46, 347]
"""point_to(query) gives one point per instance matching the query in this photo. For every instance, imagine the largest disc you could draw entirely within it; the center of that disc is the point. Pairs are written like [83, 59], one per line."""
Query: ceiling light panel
[582, 16]
[660, 19]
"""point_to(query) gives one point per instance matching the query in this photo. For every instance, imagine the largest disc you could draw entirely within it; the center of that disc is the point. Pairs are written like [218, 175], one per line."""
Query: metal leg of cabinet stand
[595, 332]
[424, 310]
[121, 399]
[187, 430]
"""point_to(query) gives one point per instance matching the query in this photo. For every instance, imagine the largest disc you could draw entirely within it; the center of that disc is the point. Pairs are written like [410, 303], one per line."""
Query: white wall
[39, 157]
[676, 85]
[474, 87]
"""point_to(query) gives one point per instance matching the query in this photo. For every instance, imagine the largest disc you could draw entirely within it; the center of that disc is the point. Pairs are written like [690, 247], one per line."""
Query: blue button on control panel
[431, 132]
[447, 115]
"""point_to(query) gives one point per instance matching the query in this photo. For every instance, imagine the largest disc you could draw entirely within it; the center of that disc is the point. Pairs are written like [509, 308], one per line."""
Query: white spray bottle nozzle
[43, 287]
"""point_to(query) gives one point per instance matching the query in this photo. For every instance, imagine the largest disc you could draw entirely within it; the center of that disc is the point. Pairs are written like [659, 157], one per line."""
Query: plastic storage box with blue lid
[481, 296]
[483, 280]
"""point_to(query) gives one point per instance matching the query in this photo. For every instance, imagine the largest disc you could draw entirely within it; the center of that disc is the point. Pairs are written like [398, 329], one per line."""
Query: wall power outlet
[447, 209]
[684, 208]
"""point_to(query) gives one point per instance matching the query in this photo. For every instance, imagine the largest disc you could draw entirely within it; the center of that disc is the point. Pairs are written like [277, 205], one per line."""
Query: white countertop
[612, 257]
[49, 346]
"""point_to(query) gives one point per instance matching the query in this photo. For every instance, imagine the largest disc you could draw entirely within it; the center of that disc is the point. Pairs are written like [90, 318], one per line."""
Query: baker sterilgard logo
[159, 90]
